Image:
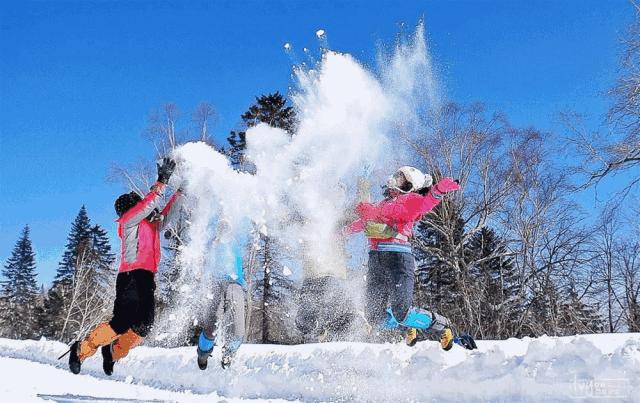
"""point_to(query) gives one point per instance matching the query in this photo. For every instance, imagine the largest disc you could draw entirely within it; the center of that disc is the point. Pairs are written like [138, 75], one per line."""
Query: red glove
[366, 211]
[445, 185]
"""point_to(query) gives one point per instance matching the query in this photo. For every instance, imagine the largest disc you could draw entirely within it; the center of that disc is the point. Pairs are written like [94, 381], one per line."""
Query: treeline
[78, 298]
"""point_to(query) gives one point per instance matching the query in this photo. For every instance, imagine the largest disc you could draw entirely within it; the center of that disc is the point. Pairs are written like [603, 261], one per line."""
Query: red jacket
[140, 237]
[400, 213]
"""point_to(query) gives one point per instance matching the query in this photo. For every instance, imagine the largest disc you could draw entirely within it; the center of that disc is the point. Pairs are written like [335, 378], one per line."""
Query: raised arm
[144, 207]
[150, 202]
[171, 209]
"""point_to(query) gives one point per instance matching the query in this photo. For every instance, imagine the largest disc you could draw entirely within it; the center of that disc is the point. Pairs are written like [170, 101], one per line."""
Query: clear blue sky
[79, 79]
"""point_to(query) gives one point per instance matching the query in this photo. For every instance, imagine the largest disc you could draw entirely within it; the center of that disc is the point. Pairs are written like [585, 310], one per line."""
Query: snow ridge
[566, 368]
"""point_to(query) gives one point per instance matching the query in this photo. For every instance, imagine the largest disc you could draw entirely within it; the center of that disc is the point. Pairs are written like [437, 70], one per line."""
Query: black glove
[165, 170]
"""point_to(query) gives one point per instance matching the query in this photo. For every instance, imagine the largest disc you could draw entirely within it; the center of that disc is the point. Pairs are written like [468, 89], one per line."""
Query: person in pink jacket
[388, 226]
[139, 224]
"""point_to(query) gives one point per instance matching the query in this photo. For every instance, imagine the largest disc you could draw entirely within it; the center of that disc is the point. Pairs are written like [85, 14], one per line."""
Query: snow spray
[351, 125]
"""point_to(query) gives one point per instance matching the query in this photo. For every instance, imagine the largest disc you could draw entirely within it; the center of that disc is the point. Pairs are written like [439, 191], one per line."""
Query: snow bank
[545, 368]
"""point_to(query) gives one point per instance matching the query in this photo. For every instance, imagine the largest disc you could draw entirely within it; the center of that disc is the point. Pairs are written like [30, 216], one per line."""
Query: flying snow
[305, 184]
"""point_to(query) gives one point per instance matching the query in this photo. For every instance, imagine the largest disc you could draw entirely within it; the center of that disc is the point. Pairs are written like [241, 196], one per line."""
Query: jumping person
[139, 224]
[388, 226]
[225, 320]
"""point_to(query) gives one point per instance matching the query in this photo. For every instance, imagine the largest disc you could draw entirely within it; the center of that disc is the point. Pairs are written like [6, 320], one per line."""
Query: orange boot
[102, 335]
[126, 342]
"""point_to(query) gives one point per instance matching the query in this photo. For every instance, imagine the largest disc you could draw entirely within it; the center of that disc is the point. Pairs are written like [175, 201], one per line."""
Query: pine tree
[544, 310]
[497, 287]
[274, 291]
[271, 109]
[577, 317]
[86, 265]
[437, 274]
[80, 231]
[19, 289]
[104, 257]
[237, 145]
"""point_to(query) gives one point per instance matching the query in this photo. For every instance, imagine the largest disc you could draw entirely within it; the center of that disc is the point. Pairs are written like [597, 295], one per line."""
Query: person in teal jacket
[225, 321]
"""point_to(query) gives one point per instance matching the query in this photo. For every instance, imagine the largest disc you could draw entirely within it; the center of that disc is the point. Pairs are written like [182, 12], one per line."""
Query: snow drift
[545, 368]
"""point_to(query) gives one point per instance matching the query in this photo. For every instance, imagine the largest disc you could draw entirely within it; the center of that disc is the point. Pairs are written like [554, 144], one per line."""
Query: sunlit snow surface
[547, 368]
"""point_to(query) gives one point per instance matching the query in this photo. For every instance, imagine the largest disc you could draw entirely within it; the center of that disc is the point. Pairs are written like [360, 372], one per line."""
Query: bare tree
[628, 256]
[618, 150]
[203, 115]
[86, 305]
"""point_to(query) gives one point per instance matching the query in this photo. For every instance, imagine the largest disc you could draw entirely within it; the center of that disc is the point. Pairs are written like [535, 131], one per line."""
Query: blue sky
[80, 79]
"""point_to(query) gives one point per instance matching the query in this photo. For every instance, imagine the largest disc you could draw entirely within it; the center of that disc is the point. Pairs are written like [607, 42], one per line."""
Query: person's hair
[125, 202]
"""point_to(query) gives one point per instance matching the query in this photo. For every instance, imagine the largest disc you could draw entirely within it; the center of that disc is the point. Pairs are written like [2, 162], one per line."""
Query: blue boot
[205, 347]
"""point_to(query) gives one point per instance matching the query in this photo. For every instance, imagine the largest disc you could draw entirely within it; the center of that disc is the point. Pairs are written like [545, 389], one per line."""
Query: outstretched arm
[356, 226]
[434, 197]
[407, 206]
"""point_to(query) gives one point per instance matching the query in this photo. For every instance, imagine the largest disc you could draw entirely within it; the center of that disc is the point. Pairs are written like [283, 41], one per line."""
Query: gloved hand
[446, 185]
[165, 170]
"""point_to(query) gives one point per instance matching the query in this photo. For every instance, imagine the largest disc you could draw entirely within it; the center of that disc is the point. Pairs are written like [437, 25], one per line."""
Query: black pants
[134, 307]
[390, 279]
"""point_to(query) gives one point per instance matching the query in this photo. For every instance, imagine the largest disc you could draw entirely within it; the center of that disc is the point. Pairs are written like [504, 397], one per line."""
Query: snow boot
[228, 352]
[107, 359]
[124, 344]
[74, 360]
[203, 357]
[411, 336]
[446, 339]
[205, 347]
[466, 341]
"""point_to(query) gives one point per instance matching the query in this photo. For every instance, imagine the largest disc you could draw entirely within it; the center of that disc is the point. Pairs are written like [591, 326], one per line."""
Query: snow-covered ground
[546, 368]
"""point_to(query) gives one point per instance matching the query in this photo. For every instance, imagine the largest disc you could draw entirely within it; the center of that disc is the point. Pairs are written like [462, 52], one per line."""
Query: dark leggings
[134, 307]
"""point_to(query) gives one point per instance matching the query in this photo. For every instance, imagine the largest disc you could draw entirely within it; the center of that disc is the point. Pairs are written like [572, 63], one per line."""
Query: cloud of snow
[306, 185]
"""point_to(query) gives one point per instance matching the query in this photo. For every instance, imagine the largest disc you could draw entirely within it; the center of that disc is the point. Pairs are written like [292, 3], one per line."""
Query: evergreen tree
[19, 289]
[496, 284]
[80, 231]
[544, 310]
[577, 317]
[274, 292]
[438, 276]
[86, 263]
[271, 109]
[100, 248]
[237, 145]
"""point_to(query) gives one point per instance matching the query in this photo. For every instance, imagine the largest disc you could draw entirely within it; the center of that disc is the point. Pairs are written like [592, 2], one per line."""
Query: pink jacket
[140, 237]
[400, 212]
